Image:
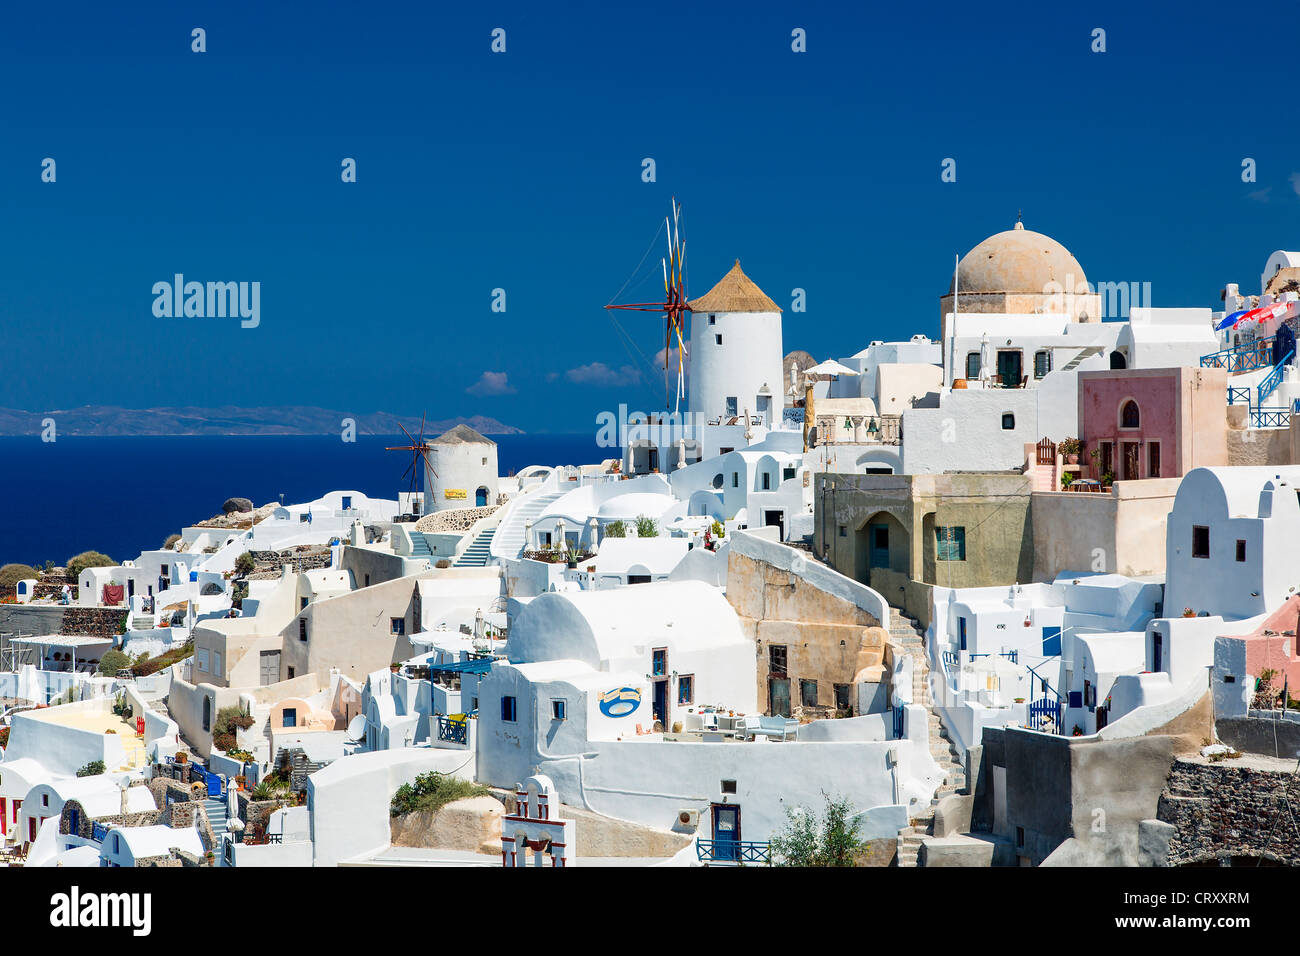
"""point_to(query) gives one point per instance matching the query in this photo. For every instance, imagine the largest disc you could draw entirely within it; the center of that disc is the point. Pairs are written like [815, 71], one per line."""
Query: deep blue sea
[125, 495]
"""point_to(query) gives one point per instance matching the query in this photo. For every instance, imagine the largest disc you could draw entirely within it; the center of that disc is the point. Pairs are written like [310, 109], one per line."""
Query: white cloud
[491, 383]
[601, 375]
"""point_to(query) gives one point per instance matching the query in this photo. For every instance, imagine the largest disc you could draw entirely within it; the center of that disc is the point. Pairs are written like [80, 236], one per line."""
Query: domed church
[1020, 272]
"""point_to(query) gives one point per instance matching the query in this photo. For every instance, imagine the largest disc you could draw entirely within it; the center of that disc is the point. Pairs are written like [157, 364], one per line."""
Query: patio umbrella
[828, 369]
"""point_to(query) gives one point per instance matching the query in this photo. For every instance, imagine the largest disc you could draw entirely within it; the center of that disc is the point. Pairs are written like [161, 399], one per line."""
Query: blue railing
[1277, 416]
[950, 658]
[99, 832]
[453, 731]
[733, 851]
[1044, 712]
[1239, 396]
[1271, 381]
[1241, 358]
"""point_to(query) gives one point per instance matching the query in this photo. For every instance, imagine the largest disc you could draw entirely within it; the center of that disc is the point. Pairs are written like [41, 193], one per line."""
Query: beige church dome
[1018, 261]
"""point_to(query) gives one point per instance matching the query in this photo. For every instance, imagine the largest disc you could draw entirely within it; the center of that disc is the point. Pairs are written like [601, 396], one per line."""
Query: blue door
[660, 708]
[961, 632]
[480, 498]
[726, 831]
[879, 541]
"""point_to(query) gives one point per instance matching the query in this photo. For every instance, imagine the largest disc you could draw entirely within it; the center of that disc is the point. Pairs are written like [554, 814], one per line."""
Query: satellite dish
[357, 728]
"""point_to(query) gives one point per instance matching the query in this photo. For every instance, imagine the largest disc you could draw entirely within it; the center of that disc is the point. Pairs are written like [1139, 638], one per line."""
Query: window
[559, 709]
[659, 662]
[289, 717]
[841, 696]
[735, 479]
[1042, 363]
[302, 629]
[767, 482]
[217, 664]
[1200, 541]
[776, 658]
[302, 518]
[1129, 416]
[718, 339]
[508, 709]
[397, 625]
[1241, 549]
[1153, 459]
[808, 693]
[347, 502]
[844, 531]
[713, 319]
[290, 670]
[201, 655]
[367, 584]
[717, 481]
[950, 544]
[728, 786]
[686, 689]
[302, 604]
[973, 365]
[733, 403]
[1008, 421]
[1020, 836]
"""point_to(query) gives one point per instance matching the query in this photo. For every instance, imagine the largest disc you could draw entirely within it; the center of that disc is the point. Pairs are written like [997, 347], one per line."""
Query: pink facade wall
[1181, 409]
[1265, 652]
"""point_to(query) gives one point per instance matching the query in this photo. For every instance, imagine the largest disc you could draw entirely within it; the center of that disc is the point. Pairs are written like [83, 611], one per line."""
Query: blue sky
[522, 171]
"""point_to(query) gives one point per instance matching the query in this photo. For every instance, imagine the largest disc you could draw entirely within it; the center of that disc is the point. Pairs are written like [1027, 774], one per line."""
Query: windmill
[419, 449]
[674, 307]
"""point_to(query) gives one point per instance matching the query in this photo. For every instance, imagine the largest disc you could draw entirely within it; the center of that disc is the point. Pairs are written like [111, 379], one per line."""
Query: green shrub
[88, 559]
[805, 841]
[92, 769]
[149, 666]
[11, 574]
[244, 564]
[112, 662]
[646, 527]
[616, 529]
[431, 792]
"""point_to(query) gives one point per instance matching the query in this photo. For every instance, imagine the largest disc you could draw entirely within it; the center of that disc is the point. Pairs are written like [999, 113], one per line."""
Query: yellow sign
[455, 493]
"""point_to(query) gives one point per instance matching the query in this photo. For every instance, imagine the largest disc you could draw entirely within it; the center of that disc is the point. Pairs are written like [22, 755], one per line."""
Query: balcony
[453, 730]
[733, 852]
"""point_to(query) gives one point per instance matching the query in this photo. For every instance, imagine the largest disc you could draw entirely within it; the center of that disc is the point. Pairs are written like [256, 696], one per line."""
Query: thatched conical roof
[462, 435]
[735, 292]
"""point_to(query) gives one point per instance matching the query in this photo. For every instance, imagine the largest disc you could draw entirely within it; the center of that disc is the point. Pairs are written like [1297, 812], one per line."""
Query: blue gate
[1045, 714]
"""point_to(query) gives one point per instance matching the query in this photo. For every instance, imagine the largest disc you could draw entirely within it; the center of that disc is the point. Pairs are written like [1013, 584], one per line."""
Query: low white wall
[349, 800]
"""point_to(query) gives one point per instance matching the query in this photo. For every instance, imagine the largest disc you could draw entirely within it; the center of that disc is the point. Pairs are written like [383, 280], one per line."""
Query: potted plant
[1188, 612]
[1020, 700]
[181, 756]
[1070, 448]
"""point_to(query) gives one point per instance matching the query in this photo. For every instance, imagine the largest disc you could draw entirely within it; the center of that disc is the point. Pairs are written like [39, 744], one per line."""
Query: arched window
[1129, 416]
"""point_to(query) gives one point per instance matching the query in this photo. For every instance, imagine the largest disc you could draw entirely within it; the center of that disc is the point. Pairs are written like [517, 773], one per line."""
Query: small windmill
[674, 307]
[419, 449]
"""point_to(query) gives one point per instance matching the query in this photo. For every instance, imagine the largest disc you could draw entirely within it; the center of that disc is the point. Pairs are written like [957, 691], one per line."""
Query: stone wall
[1260, 446]
[93, 621]
[1230, 809]
[302, 558]
[827, 639]
[453, 519]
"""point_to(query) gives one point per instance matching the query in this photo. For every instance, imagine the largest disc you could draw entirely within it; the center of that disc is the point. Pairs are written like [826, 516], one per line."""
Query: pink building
[1153, 423]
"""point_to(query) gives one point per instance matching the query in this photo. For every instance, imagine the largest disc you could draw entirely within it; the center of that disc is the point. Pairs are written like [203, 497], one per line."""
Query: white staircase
[479, 551]
[508, 542]
[905, 632]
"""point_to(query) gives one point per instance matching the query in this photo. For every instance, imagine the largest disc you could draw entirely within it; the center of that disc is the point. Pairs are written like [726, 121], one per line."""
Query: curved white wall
[459, 467]
[749, 357]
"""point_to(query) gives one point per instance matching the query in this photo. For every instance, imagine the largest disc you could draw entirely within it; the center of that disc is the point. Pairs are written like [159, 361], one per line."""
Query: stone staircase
[479, 551]
[143, 622]
[907, 634]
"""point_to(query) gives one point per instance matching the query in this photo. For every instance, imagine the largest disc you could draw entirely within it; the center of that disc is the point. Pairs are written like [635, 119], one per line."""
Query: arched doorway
[1117, 359]
[481, 497]
[881, 547]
